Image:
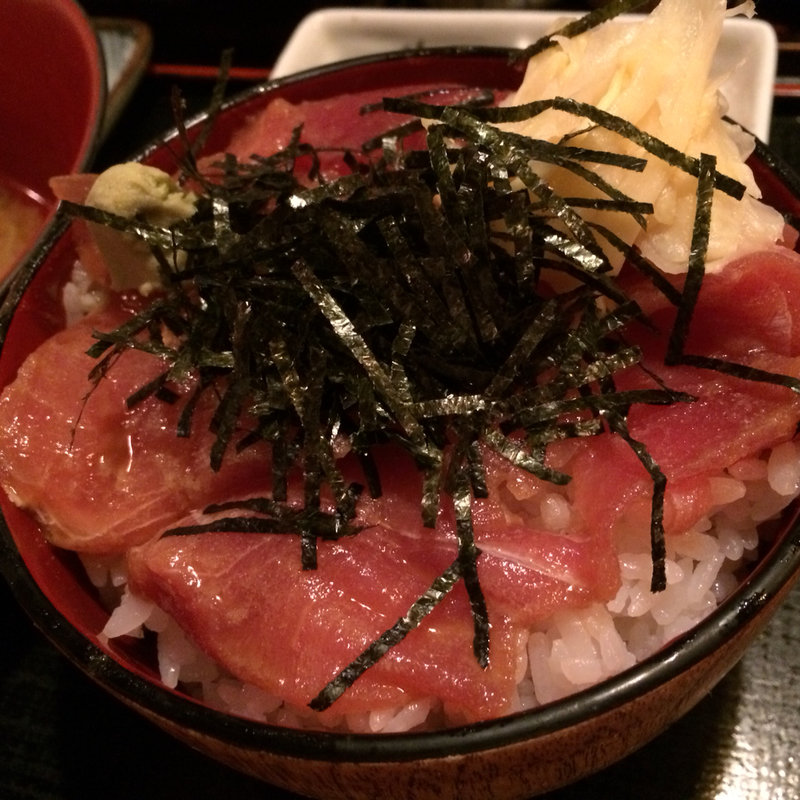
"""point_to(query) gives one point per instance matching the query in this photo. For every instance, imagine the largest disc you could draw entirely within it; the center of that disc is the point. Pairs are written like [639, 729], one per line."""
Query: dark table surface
[63, 738]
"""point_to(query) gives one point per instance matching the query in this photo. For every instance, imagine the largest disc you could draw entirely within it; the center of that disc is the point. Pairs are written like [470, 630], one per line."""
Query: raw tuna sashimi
[102, 476]
[133, 457]
[343, 123]
[246, 600]
[248, 604]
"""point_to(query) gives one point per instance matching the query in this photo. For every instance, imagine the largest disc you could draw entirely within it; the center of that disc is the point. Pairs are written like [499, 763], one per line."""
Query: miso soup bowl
[514, 757]
[52, 99]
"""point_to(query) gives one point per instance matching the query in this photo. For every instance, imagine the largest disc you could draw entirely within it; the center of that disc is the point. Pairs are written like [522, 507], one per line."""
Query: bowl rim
[773, 574]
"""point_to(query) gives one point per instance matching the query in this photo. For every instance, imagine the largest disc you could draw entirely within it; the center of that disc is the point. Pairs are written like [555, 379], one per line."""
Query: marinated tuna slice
[343, 123]
[75, 189]
[245, 600]
[748, 308]
[526, 569]
[100, 476]
[748, 314]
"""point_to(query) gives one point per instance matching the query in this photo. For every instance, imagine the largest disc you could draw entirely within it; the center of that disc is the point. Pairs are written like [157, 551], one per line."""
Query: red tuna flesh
[100, 476]
[248, 604]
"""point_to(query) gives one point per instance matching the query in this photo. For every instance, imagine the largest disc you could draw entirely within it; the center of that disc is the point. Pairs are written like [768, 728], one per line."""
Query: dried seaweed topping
[596, 17]
[406, 301]
[605, 119]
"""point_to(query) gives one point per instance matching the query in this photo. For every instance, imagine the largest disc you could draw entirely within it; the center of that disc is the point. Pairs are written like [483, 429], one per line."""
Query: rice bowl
[707, 652]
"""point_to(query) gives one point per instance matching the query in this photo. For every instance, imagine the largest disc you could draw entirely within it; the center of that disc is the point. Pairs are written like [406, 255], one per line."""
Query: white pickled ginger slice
[655, 72]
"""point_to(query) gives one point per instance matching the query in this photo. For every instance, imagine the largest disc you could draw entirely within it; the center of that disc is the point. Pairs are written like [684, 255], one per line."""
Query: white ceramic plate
[749, 47]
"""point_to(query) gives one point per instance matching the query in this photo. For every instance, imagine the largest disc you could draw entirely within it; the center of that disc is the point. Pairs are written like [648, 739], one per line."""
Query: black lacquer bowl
[513, 757]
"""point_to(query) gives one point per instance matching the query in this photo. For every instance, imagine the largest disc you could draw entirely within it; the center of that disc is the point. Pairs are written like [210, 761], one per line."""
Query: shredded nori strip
[586, 22]
[420, 609]
[598, 116]
[404, 303]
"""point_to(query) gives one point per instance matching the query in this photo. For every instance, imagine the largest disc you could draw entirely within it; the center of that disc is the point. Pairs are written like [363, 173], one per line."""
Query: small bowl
[513, 757]
[52, 98]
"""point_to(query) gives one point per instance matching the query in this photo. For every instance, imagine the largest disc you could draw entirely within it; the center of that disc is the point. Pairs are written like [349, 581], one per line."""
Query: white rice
[575, 649]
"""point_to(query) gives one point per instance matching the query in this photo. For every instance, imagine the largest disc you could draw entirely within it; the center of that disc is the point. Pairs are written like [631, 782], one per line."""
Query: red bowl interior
[51, 584]
[52, 93]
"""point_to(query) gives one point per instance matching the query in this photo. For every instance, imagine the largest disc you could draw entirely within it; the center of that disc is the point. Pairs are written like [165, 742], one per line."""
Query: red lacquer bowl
[513, 757]
[52, 98]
